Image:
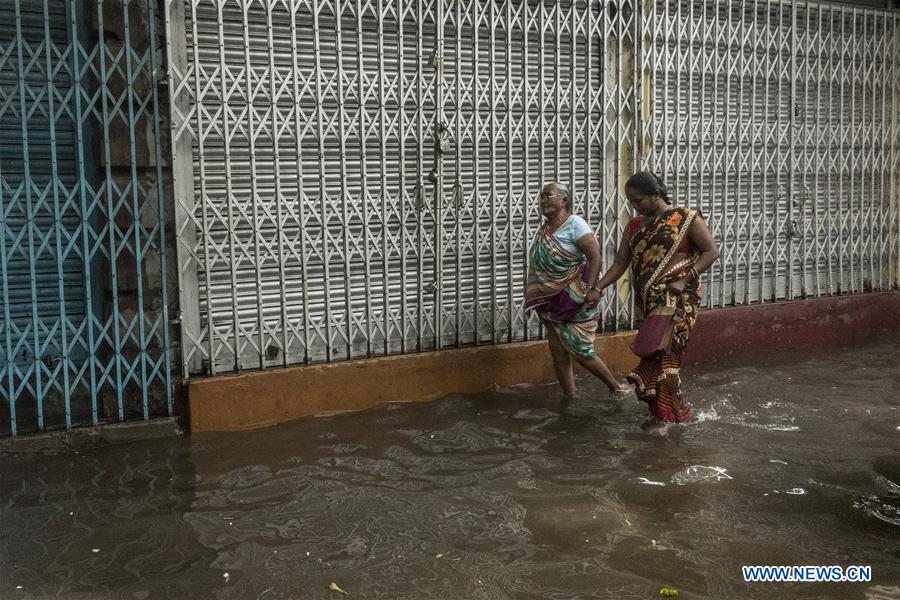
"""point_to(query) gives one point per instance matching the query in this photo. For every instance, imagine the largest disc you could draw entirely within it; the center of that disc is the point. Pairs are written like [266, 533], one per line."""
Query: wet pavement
[793, 460]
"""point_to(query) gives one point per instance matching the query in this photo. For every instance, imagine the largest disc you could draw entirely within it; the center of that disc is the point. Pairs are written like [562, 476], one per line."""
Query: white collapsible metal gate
[364, 175]
[779, 120]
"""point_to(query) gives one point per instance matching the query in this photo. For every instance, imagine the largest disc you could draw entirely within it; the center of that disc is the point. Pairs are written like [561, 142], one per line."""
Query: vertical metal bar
[58, 226]
[249, 97]
[620, 134]
[557, 132]
[635, 90]
[298, 160]
[229, 199]
[364, 187]
[873, 217]
[766, 127]
[779, 125]
[817, 148]
[27, 184]
[709, 158]
[841, 131]
[678, 160]
[204, 199]
[275, 96]
[852, 161]
[492, 198]
[728, 221]
[457, 187]
[84, 200]
[160, 206]
[662, 63]
[136, 214]
[589, 133]
[420, 178]
[526, 157]
[383, 196]
[345, 210]
[895, 146]
[401, 194]
[758, 151]
[510, 297]
[747, 154]
[9, 365]
[829, 151]
[687, 193]
[883, 241]
[182, 173]
[792, 154]
[476, 179]
[110, 215]
[439, 182]
[572, 102]
[323, 194]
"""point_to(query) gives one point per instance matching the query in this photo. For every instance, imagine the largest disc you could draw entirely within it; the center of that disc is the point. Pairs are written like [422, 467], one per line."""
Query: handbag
[655, 335]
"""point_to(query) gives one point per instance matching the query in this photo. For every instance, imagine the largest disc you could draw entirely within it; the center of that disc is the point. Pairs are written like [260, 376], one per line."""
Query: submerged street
[790, 461]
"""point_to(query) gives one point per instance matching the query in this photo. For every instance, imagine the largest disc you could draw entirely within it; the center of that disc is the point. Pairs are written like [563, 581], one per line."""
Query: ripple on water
[699, 473]
[886, 509]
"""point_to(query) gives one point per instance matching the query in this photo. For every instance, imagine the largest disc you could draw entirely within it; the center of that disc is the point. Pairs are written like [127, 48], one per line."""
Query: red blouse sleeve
[632, 226]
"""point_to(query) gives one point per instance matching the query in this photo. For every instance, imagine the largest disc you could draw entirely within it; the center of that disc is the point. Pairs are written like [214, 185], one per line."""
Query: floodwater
[793, 460]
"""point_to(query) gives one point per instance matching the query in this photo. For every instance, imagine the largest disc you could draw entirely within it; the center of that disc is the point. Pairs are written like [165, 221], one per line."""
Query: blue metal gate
[84, 328]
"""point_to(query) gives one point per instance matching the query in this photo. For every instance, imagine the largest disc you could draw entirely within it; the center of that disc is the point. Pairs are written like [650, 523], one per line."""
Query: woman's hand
[678, 285]
[592, 298]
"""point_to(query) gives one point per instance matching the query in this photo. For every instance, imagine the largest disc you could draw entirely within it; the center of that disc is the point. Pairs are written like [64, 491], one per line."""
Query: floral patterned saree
[653, 248]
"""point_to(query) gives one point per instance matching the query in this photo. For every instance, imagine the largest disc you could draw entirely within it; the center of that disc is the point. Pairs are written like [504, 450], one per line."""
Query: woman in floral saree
[564, 262]
[667, 248]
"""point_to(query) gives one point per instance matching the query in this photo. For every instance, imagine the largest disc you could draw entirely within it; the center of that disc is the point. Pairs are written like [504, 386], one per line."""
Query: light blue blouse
[574, 228]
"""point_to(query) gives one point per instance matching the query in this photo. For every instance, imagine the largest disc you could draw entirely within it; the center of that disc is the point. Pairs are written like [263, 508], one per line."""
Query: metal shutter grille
[773, 118]
[524, 105]
[332, 262]
[83, 300]
[57, 287]
[322, 236]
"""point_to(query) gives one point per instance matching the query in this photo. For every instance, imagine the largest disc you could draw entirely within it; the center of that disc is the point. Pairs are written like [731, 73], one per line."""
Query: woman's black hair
[649, 184]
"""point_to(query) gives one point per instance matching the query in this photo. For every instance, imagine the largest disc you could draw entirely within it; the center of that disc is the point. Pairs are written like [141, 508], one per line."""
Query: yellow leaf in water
[439, 555]
[334, 588]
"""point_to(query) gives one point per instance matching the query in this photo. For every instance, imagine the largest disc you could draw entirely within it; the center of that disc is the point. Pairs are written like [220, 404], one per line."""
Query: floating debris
[335, 588]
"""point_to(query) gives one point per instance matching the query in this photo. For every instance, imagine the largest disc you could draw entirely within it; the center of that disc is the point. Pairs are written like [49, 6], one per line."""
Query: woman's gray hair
[563, 191]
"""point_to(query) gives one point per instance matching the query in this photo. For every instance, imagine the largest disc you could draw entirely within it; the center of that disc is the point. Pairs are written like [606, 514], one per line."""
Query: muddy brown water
[791, 460]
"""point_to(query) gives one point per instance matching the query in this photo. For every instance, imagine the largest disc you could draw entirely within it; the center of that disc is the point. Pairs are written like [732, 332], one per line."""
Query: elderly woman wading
[564, 264]
[667, 247]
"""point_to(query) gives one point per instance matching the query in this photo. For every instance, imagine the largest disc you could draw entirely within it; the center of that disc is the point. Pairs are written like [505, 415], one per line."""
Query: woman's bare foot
[654, 426]
[620, 389]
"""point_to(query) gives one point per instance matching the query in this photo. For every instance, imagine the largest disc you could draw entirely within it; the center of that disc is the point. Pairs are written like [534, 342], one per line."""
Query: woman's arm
[620, 263]
[703, 240]
[591, 249]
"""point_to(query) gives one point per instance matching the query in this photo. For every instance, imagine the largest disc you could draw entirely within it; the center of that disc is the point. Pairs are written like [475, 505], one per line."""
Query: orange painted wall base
[262, 398]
